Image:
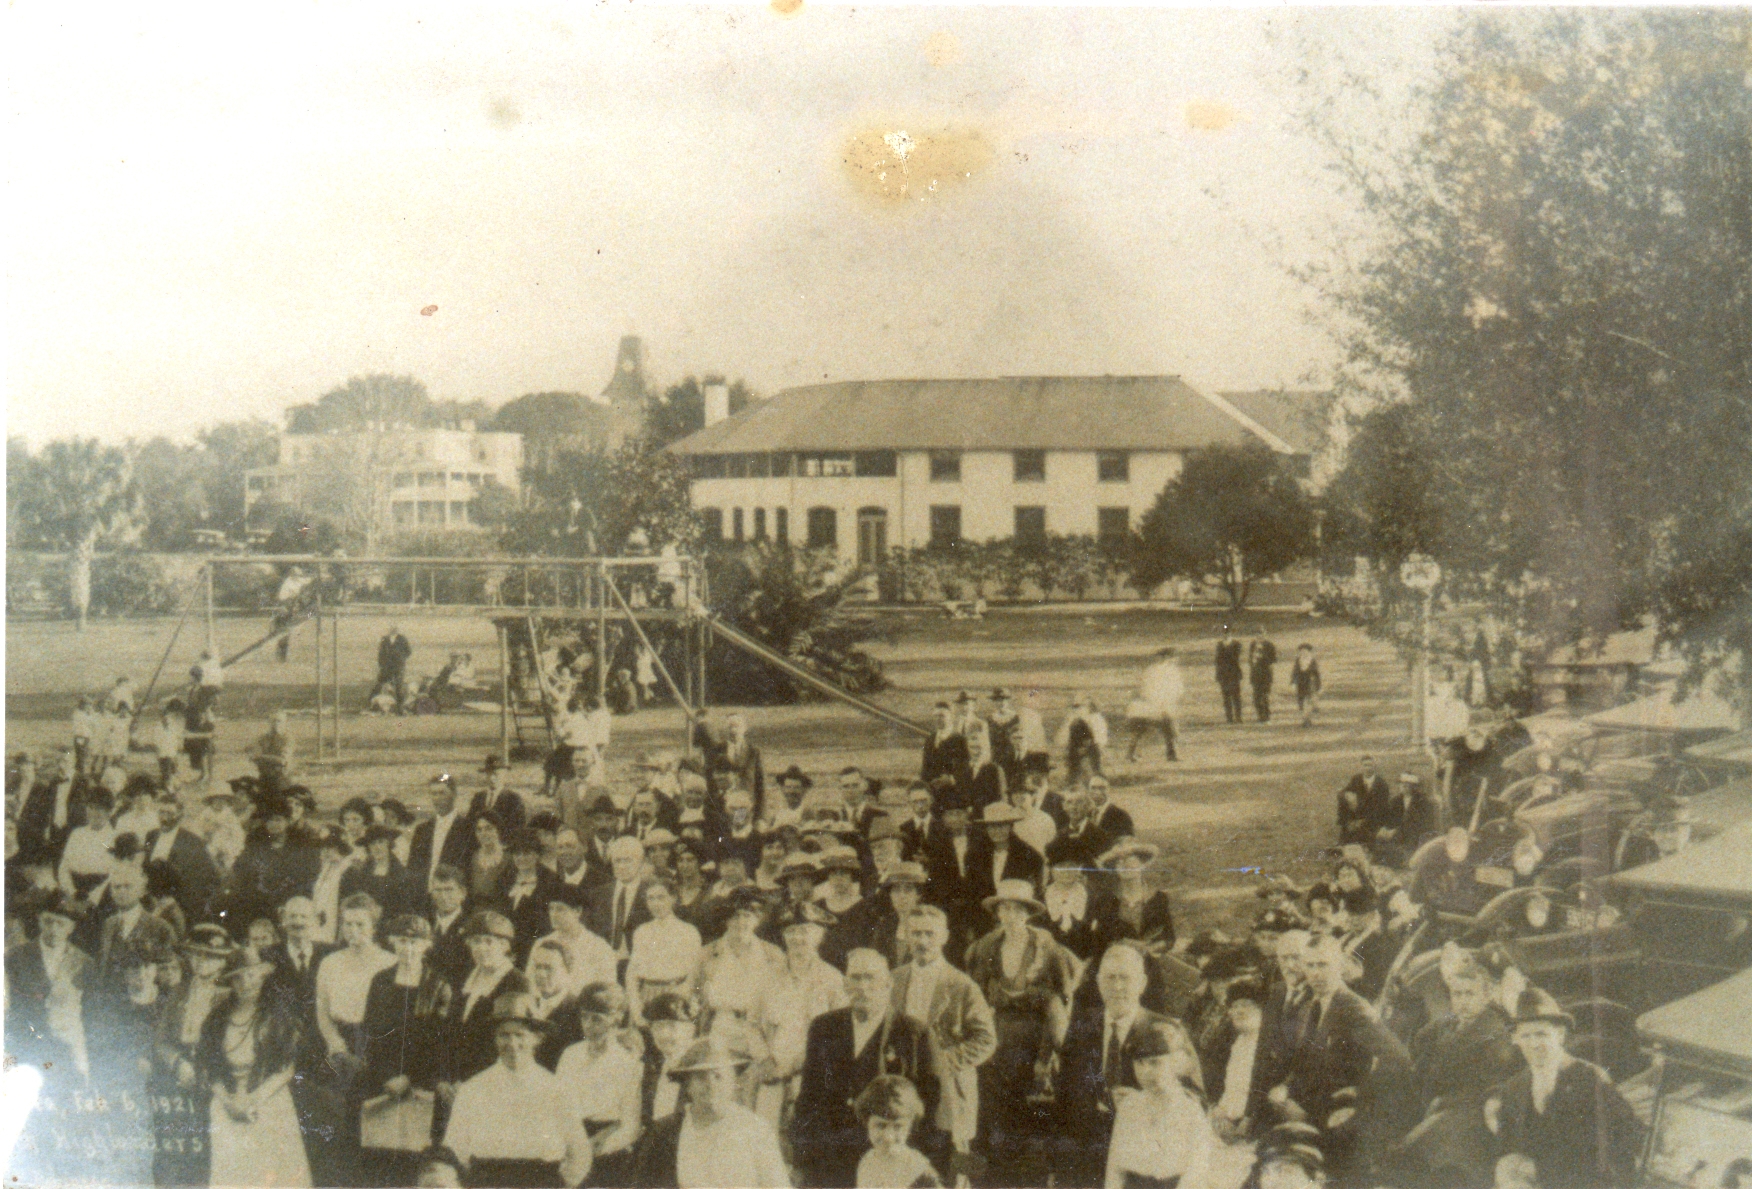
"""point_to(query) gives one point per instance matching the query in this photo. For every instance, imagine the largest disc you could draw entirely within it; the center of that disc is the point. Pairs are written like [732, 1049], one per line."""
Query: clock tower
[627, 385]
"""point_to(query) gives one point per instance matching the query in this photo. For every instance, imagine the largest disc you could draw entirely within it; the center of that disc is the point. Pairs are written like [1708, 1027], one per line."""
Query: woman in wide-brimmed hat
[713, 1140]
[1139, 912]
[512, 1124]
[1027, 978]
[245, 1055]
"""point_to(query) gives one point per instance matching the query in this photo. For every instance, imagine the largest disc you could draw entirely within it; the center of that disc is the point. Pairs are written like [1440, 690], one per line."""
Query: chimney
[717, 403]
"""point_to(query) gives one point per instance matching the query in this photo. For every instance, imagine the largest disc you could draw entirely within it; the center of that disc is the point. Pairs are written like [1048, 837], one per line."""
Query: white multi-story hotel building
[411, 478]
[864, 466]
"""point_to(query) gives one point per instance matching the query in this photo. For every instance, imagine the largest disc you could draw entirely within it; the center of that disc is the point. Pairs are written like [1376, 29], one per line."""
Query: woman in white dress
[741, 976]
[245, 1055]
[602, 1083]
[343, 983]
[809, 988]
[666, 952]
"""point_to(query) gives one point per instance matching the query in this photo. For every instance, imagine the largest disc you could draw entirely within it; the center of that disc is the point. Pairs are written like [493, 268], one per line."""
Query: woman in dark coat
[245, 1056]
[405, 1011]
[179, 1098]
[381, 875]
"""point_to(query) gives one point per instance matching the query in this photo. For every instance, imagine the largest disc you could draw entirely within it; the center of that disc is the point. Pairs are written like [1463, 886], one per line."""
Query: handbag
[397, 1124]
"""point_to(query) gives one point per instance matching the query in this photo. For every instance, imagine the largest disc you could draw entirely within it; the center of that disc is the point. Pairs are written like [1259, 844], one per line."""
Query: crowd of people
[715, 974]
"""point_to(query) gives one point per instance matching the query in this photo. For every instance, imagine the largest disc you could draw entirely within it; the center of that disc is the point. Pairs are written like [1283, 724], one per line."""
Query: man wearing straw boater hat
[511, 1124]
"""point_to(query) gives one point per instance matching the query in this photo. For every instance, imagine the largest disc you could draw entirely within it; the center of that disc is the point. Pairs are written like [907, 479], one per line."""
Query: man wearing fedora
[510, 1124]
[505, 806]
[1561, 1112]
[846, 1049]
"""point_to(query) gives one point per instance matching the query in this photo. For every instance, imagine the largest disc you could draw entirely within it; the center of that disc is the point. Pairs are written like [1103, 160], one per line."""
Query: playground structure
[605, 600]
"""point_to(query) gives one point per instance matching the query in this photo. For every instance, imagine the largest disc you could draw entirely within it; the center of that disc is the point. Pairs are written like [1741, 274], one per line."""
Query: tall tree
[229, 450]
[588, 503]
[1233, 512]
[377, 401]
[1557, 279]
[72, 495]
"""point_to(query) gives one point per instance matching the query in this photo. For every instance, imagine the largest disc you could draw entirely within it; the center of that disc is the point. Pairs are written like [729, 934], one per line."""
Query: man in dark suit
[1359, 804]
[1079, 836]
[497, 799]
[442, 839]
[1348, 1073]
[1229, 674]
[1261, 672]
[449, 916]
[738, 765]
[952, 867]
[614, 910]
[845, 1051]
[651, 811]
[393, 652]
[1109, 818]
[177, 857]
[945, 752]
[129, 928]
[922, 826]
[1095, 1060]
[999, 855]
[292, 984]
[51, 811]
[603, 828]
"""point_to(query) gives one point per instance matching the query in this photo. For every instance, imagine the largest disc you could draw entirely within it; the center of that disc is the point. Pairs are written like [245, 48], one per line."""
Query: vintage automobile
[1700, 1120]
[1692, 913]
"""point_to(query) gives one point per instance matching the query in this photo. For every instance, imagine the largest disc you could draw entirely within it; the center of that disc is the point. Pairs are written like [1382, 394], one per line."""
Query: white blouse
[663, 951]
[602, 1089]
[343, 980]
[739, 1149]
[1159, 1139]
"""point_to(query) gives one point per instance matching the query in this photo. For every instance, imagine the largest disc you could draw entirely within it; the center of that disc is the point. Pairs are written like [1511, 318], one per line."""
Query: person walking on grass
[1229, 674]
[1157, 703]
[1262, 660]
[1305, 679]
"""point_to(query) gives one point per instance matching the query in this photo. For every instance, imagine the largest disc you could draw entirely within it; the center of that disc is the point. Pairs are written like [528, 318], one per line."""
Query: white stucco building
[865, 466]
[410, 478]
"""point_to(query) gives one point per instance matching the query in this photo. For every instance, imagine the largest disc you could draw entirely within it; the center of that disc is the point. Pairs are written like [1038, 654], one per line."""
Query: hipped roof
[1015, 413]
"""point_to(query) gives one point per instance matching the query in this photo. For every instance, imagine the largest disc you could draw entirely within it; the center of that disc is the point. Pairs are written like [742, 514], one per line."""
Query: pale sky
[216, 213]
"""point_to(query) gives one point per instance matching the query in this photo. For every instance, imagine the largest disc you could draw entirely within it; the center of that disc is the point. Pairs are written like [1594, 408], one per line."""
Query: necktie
[1110, 1060]
[1312, 1028]
[620, 916]
[299, 957]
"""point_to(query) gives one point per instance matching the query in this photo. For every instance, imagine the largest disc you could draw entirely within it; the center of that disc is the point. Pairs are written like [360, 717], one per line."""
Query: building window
[1030, 527]
[256, 483]
[823, 528]
[1112, 527]
[945, 526]
[458, 512]
[431, 511]
[736, 466]
[403, 512]
[404, 480]
[1113, 466]
[1030, 466]
[945, 466]
[872, 536]
[431, 479]
[758, 465]
[708, 466]
[782, 523]
[458, 477]
[784, 463]
[830, 466]
[736, 524]
[875, 464]
[760, 524]
[712, 524]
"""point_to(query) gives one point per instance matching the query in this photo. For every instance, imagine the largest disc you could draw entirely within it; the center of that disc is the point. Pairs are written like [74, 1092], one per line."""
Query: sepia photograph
[726, 596]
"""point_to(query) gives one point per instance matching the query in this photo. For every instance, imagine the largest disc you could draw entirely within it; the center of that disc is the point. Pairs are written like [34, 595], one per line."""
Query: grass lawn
[1243, 800]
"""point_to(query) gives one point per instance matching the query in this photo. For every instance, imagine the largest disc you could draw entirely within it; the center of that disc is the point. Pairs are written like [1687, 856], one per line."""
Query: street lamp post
[1422, 574]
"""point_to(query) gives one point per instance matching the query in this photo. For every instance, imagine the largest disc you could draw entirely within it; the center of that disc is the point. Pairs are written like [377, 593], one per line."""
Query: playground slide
[784, 664]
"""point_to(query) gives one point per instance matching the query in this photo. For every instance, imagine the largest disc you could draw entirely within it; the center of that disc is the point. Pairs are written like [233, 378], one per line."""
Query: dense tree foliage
[681, 409]
[381, 401]
[1554, 305]
[590, 502]
[72, 495]
[1234, 513]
